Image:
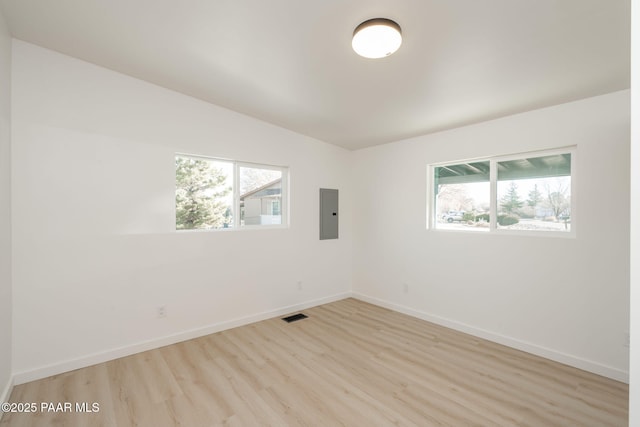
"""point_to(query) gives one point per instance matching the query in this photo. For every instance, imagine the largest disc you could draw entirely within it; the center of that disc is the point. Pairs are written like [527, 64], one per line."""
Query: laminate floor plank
[348, 364]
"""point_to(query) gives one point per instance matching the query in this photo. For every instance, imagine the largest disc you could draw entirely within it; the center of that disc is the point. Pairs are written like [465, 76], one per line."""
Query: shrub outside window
[525, 193]
[218, 194]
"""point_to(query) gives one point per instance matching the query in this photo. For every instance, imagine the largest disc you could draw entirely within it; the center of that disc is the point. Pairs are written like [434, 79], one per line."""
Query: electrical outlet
[405, 288]
[161, 311]
[300, 285]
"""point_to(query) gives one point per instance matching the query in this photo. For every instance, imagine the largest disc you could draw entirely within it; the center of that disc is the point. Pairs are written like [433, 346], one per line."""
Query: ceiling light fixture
[377, 38]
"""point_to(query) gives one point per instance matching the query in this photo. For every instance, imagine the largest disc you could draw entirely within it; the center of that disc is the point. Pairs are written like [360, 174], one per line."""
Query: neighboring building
[262, 205]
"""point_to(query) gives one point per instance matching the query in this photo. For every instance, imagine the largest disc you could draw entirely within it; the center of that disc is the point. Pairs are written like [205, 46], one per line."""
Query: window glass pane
[462, 196]
[535, 193]
[260, 196]
[204, 193]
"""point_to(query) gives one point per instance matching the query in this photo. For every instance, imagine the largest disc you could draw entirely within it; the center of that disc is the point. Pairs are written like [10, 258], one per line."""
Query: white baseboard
[6, 392]
[82, 362]
[92, 359]
[567, 359]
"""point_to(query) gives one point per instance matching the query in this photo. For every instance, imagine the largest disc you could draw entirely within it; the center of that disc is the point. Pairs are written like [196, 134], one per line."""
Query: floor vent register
[294, 317]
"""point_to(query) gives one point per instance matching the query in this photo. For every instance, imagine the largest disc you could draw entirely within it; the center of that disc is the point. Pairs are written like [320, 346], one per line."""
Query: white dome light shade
[376, 38]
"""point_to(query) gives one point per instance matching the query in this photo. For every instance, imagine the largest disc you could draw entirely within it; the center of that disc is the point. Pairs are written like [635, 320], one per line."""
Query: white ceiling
[289, 62]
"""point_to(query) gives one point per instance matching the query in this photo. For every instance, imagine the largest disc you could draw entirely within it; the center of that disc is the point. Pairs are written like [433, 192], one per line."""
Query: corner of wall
[6, 260]
[634, 362]
[6, 392]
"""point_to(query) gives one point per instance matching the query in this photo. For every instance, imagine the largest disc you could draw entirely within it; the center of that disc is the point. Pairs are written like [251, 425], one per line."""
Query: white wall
[5, 210]
[563, 298]
[95, 251]
[634, 391]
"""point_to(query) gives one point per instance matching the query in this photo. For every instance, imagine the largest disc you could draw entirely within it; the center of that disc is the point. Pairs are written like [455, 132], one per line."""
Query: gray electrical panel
[328, 214]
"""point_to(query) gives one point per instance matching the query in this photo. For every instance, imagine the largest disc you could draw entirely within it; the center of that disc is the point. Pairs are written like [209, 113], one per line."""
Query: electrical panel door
[328, 214]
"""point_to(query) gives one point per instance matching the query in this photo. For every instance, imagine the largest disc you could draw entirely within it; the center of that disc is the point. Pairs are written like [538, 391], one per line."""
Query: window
[260, 189]
[534, 193]
[216, 194]
[462, 196]
[527, 193]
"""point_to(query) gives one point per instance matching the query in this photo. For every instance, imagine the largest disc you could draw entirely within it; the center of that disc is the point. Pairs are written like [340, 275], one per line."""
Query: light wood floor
[350, 363]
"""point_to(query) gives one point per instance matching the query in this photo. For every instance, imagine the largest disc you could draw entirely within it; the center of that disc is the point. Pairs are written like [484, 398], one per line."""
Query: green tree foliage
[201, 191]
[535, 197]
[511, 202]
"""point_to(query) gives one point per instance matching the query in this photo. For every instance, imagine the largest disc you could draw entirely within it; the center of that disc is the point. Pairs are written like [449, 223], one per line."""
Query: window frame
[493, 193]
[236, 165]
